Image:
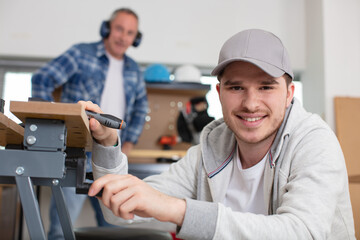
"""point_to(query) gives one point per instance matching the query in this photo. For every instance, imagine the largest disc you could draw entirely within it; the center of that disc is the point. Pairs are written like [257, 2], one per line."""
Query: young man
[100, 72]
[267, 170]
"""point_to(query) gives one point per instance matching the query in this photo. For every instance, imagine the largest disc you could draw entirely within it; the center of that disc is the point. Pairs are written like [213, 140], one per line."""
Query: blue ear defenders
[105, 32]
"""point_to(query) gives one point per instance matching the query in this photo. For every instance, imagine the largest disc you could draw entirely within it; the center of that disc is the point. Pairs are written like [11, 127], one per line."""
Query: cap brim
[268, 68]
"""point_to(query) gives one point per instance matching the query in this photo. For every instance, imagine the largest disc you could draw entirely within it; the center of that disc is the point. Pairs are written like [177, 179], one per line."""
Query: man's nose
[251, 100]
[122, 36]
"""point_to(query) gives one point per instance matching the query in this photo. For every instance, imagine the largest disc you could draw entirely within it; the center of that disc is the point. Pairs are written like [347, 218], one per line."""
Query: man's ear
[290, 93]
[218, 91]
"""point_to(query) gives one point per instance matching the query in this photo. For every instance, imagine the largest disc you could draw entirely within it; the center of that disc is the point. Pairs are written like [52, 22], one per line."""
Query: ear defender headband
[105, 32]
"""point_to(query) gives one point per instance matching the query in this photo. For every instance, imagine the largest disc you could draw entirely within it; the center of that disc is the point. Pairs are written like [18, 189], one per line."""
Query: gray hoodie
[305, 184]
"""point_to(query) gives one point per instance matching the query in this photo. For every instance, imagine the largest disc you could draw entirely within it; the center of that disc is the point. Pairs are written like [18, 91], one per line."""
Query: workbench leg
[30, 207]
[63, 212]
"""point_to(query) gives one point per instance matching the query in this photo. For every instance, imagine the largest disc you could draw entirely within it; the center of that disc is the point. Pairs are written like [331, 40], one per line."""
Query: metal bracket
[44, 135]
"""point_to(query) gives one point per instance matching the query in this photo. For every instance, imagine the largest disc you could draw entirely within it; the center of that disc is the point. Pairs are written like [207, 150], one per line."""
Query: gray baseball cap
[258, 47]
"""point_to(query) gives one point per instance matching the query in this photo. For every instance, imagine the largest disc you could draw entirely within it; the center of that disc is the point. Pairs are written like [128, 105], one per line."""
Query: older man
[100, 72]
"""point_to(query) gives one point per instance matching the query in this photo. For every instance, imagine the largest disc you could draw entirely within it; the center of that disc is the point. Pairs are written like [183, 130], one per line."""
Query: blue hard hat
[157, 73]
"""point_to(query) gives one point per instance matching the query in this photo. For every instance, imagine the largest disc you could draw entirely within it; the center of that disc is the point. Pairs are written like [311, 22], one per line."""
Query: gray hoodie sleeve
[179, 182]
[192, 227]
[108, 157]
[110, 160]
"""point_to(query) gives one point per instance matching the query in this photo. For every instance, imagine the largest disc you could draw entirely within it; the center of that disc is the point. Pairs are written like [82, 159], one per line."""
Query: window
[212, 97]
[17, 87]
[15, 80]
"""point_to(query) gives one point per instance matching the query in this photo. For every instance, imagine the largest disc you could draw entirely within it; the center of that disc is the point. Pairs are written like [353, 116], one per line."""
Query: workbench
[49, 150]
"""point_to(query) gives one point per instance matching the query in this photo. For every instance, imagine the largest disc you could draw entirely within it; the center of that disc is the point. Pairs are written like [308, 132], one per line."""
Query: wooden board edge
[12, 128]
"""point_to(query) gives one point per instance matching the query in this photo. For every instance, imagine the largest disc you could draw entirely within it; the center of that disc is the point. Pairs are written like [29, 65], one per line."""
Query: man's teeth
[252, 119]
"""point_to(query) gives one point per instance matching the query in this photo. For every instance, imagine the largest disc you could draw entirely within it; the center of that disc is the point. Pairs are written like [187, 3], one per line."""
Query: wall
[332, 54]
[174, 31]
[313, 77]
[342, 52]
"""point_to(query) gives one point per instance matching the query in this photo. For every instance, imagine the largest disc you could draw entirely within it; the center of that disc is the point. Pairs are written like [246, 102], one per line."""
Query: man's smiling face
[123, 30]
[253, 102]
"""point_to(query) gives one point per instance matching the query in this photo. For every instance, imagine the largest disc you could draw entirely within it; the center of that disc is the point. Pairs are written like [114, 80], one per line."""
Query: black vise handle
[84, 189]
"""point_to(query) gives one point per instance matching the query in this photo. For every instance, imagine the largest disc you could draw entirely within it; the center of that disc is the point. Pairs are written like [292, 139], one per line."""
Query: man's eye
[119, 29]
[235, 88]
[266, 88]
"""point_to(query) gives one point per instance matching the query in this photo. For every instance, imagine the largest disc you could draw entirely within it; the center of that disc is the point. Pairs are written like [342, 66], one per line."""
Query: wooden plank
[347, 118]
[157, 153]
[10, 131]
[9, 212]
[74, 116]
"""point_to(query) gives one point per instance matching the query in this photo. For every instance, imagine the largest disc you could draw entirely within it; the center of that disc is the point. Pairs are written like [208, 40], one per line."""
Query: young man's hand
[103, 135]
[127, 195]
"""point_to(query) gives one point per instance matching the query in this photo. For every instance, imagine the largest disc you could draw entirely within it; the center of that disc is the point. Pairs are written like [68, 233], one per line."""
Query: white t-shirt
[245, 191]
[113, 96]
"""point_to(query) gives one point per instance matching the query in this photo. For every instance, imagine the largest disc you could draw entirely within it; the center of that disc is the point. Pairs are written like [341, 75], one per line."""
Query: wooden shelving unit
[165, 102]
